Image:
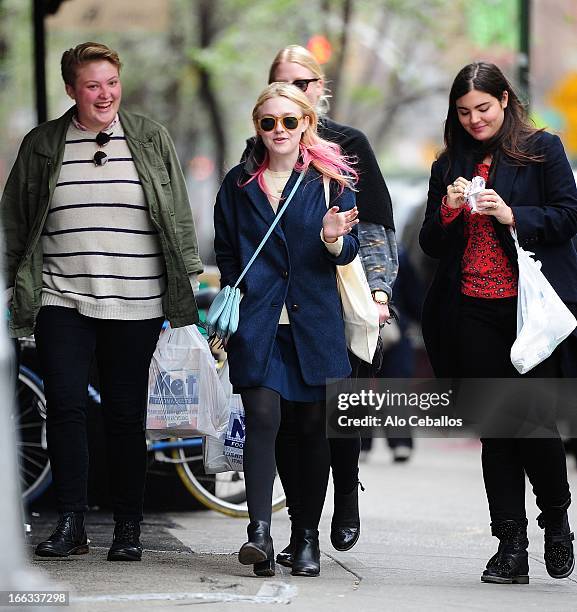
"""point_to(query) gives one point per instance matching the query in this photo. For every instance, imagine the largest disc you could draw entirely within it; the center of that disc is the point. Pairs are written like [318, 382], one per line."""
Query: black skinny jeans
[487, 329]
[308, 464]
[67, 342]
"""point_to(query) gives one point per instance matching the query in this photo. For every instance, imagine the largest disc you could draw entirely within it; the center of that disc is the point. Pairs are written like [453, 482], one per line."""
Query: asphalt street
[425, 541]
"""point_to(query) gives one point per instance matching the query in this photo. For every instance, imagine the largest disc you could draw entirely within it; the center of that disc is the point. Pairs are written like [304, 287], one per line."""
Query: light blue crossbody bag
[222, 317]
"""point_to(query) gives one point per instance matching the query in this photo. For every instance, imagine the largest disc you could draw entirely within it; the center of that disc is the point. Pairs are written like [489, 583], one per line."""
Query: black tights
[344, 452]
[263, 408]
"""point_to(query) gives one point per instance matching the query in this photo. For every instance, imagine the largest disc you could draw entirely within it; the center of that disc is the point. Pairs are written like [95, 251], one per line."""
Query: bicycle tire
[209, 499]
[35, 471]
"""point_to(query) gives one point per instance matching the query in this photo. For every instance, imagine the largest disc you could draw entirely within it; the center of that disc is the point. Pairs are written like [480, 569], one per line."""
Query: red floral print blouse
[486, 271]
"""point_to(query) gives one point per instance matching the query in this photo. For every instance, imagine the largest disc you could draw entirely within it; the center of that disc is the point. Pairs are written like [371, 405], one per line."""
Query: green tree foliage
[202, 75]
[16, 83]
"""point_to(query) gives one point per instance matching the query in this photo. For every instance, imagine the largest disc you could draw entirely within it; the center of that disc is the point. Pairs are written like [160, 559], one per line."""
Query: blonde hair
[326, 157]
[292, 93]
[295, 54]
[86, 52]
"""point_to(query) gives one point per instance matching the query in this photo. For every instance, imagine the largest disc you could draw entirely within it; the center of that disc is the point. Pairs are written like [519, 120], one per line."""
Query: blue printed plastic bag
[224, 453]
[185, 397]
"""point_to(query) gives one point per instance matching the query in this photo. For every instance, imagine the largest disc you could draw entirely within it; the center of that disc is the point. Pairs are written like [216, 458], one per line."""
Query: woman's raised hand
[337, 224]
[456, 192]
[489, 202]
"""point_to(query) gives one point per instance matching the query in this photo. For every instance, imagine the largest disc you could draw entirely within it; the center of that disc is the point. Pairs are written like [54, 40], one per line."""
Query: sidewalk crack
[358, 577]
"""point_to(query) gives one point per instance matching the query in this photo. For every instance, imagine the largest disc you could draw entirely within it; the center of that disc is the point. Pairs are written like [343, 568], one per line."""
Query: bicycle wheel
[224, 492]
[30, 425]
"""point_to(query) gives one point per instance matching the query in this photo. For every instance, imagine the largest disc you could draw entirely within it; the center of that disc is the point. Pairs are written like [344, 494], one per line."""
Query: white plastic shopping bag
[543, 320]
[224, 453]
[185, 397]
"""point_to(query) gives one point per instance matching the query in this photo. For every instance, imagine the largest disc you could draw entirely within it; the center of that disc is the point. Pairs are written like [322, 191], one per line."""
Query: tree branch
[401, 100]
[342, 48]
[207, 93]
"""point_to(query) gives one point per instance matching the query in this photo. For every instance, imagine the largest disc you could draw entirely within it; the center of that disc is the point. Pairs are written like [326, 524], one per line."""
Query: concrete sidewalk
[425, 541]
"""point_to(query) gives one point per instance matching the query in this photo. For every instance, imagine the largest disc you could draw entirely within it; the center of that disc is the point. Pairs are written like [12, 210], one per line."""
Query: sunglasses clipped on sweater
[100, 157]
[269, 122]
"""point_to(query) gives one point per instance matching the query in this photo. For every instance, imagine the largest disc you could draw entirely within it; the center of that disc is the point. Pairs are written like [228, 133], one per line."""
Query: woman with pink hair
[291, 335]
[378, 253]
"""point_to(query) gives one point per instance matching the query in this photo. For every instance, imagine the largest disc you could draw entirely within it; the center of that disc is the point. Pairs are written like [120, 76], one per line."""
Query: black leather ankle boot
[68, 538]
[346, 523]
[510, 565]
[259, 550]
[286, 555]
[307, 554]
[559, 555]
[126, 544]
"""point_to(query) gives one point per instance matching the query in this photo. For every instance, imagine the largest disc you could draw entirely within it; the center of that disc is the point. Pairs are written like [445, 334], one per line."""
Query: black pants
[487, 329]
[67, 342]
[308, 466]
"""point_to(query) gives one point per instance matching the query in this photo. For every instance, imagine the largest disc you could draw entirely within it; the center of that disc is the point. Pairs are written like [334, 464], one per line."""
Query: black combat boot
[68, 538]
[510, 565]
[559, 556]
[307, 554]
[126, 544]
[259, 550]
[346, 523]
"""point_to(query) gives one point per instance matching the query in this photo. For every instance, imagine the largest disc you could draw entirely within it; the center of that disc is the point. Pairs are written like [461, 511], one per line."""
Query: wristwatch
[380, 297]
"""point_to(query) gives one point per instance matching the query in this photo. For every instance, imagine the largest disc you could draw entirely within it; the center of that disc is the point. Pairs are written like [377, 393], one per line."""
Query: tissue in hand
[474, 188]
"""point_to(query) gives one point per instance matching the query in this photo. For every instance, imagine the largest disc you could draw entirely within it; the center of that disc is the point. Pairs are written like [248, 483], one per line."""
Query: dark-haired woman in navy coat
[470, 313]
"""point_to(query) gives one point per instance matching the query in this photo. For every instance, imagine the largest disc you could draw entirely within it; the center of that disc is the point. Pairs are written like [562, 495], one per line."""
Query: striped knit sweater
[102, 255]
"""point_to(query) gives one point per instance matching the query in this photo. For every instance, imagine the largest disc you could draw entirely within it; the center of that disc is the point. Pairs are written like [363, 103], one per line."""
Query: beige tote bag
[360, 312]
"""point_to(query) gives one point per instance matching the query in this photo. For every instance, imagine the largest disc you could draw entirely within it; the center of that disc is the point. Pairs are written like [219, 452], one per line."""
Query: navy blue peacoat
[543, 198]
[294, 268]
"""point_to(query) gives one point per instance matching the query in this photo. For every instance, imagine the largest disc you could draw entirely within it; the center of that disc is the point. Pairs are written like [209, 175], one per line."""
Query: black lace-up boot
[510, 565]
[259, 550]
[559, 556]
[126, 544]
[68, 538]
[346, 522]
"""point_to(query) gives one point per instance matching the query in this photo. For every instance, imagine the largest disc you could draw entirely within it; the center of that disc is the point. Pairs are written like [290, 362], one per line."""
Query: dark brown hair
[86, 52]
[515, 135]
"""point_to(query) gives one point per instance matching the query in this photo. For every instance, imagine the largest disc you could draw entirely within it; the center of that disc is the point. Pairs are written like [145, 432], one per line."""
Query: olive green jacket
[26, 200]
